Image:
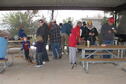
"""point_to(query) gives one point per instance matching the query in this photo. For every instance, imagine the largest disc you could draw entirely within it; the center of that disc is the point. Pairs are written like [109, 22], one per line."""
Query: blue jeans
[107, 42]
[39, 58]
[56, 50]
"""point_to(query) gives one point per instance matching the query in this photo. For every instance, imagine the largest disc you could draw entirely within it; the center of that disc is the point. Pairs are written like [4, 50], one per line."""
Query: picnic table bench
[116, 51]
[3, 64]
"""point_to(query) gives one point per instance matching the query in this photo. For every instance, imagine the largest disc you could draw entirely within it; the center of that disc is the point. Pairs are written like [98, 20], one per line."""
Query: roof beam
[121, 7]
[57, 8]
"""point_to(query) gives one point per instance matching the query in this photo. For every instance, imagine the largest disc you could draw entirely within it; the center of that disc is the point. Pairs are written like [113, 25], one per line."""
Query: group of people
[65, 34]
[87, 32]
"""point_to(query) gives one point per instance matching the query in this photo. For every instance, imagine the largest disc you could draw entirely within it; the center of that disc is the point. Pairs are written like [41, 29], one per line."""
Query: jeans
[56, 50]
[45, 55]
[107, 42]
[39, 58]
[72, 55]
[64, 39]
[26, 52]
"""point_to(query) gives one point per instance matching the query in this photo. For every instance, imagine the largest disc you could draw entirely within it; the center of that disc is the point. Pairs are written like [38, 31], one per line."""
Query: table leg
[121, 53]
[86, 67]
[83, 56]
[118, 53]
[83, 53]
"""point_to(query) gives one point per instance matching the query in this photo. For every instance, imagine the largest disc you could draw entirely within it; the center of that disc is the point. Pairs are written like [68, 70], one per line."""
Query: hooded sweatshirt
[74, 37]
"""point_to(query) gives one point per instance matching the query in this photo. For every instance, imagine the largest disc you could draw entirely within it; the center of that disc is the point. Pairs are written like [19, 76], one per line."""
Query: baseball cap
[111, 20]
[84, 23]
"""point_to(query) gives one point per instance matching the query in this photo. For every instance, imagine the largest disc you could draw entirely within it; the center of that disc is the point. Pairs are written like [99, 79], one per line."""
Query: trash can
[3, 47]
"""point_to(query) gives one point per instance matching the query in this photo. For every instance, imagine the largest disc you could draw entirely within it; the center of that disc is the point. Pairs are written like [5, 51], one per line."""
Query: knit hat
[84, 23]
[89, 22]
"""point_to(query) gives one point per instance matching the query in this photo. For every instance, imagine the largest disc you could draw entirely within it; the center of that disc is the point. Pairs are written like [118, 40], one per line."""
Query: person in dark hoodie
[43, 32]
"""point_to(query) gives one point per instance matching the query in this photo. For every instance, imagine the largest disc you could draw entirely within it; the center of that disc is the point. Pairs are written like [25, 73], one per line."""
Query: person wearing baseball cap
[108, 31]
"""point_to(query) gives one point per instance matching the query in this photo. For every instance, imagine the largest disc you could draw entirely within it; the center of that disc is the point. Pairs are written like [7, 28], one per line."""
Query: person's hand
[33, 43]
[97, 39]
[109, 31]
[93, 34]
[114, 31]
[103, 45]
[90, 33]
[82, 38]
[21, 49]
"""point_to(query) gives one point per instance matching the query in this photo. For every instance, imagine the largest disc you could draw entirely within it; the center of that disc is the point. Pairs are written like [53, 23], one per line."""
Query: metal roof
[62, 4]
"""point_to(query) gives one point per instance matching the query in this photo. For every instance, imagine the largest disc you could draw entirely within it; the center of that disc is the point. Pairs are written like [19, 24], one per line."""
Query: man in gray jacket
[107, 32]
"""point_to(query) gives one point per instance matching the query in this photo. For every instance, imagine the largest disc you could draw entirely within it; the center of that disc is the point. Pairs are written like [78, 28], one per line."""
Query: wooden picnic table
[116, 52]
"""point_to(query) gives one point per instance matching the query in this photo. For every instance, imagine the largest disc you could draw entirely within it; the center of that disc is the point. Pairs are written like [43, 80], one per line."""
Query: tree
[68, 19]
[13, 20]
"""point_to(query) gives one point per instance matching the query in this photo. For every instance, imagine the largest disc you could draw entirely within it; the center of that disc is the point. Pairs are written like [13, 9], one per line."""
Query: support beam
[52, 14]
[56, 8]
[121, 7]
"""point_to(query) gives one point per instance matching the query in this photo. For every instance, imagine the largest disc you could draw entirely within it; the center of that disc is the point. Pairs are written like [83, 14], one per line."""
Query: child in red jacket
[72, 42]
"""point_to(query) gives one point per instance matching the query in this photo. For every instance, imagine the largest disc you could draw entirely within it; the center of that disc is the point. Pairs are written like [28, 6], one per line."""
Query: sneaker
[60, 56]
[44, 62]
[38, 66]
[72, 66]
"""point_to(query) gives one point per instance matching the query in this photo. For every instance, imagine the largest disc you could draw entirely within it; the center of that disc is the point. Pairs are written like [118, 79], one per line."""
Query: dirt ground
[60, 72]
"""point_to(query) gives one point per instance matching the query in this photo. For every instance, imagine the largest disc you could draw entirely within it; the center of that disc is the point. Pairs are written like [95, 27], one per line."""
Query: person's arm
[35, 44]
[28, 44]
[22, 47]
[114, 29]
[96, 34]
[38, 32]
[102, 31]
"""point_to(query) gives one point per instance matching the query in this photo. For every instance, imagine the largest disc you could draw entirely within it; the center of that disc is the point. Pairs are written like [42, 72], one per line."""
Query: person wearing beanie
[92, 33]
[107, 32]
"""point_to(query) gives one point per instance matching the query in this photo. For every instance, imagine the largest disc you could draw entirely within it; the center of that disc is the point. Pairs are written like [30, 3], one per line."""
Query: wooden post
[52, 15]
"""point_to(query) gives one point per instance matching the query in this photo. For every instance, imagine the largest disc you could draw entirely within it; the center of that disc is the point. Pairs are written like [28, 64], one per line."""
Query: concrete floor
[60, 72]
